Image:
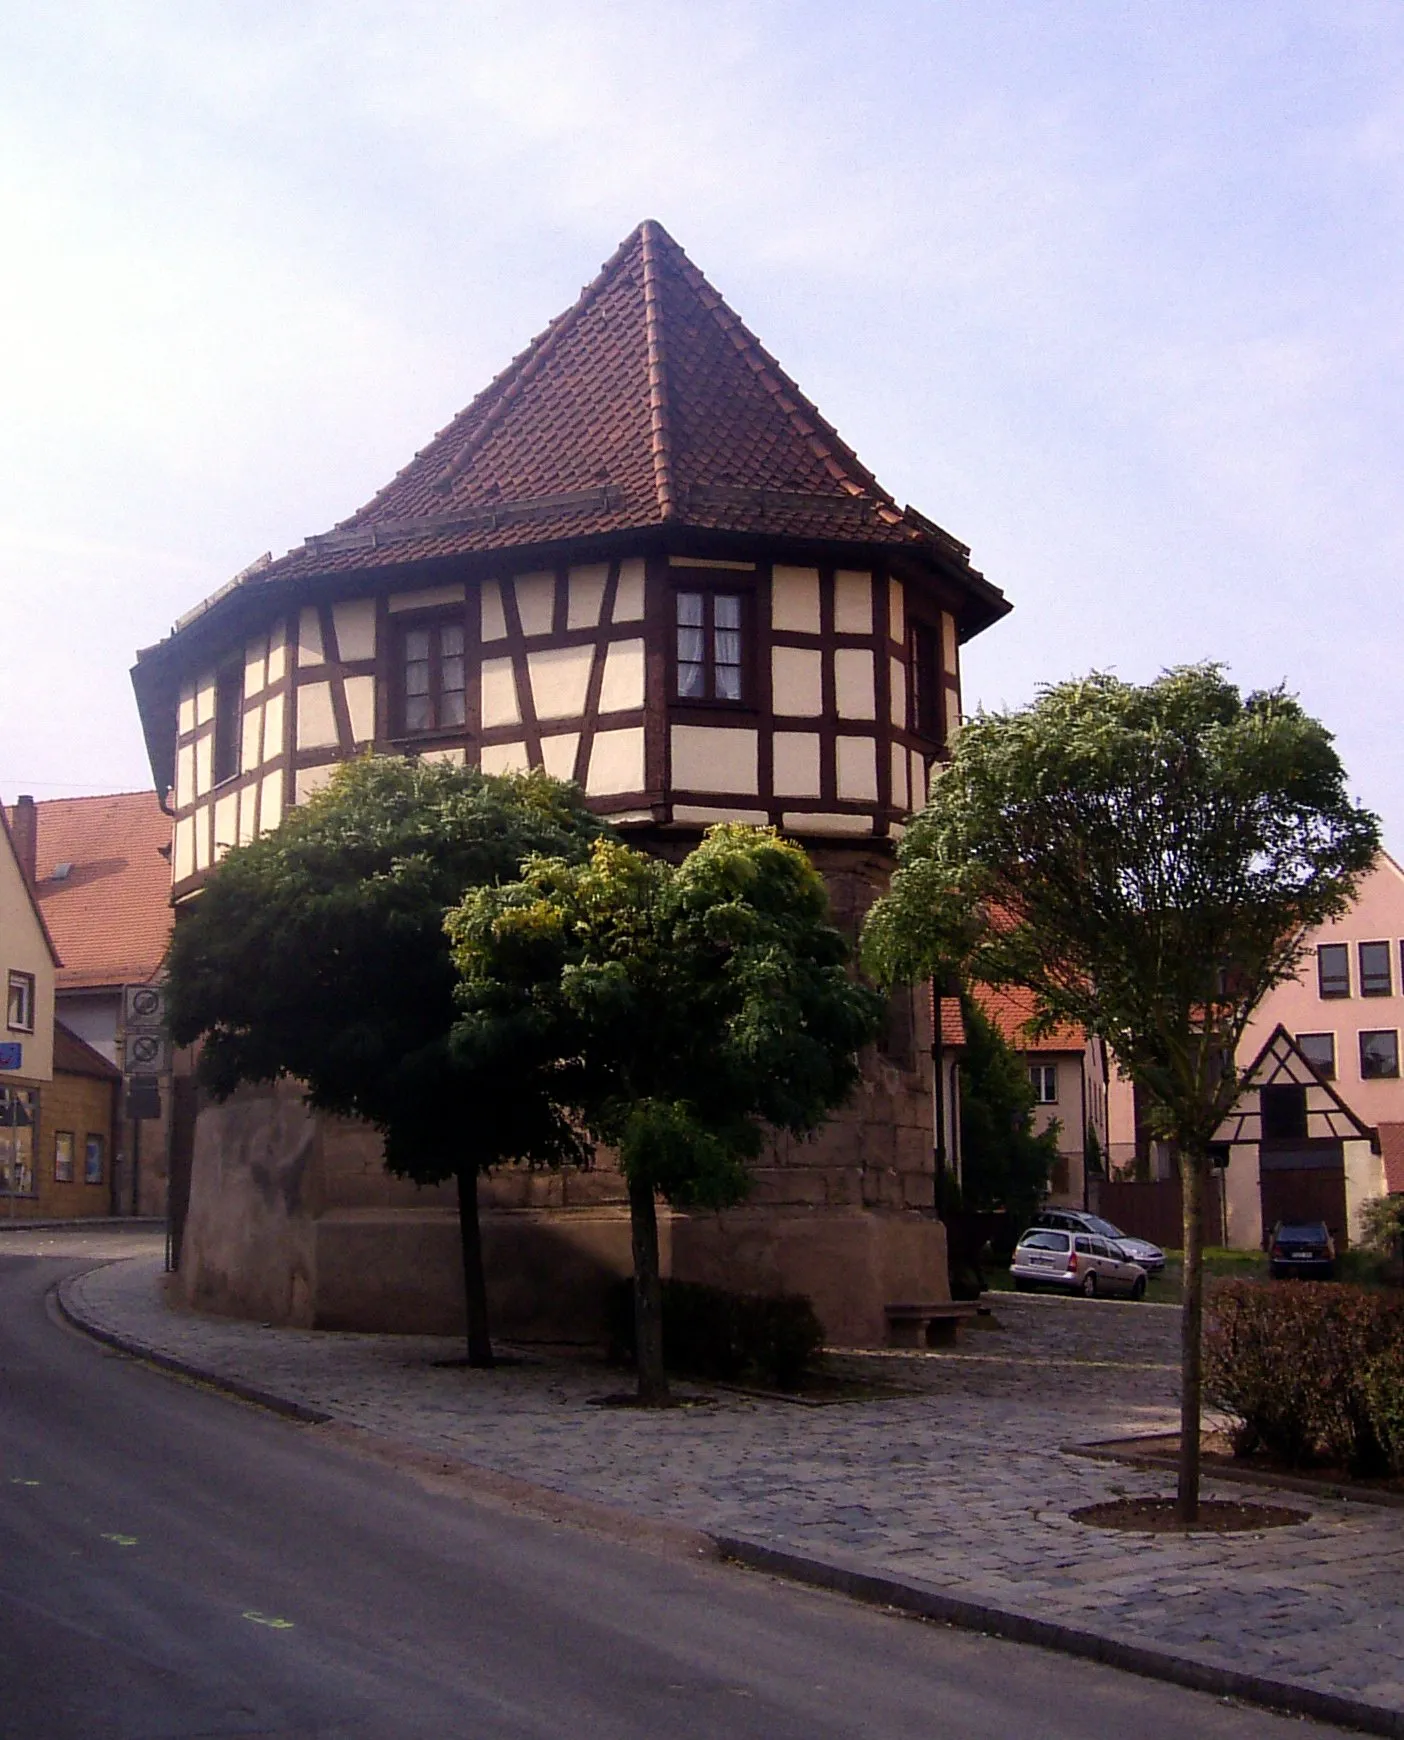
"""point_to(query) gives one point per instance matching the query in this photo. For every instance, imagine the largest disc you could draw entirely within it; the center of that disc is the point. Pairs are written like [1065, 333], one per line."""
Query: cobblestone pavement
[959, 1484]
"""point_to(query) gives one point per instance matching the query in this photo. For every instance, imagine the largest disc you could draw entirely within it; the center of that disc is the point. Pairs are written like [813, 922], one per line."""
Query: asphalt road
[174, 1563]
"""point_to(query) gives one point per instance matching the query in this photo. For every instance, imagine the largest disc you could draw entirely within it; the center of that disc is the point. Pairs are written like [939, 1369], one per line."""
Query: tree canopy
[318, 952]
[689, 1007]
[1003, 1163]
[1146, 860]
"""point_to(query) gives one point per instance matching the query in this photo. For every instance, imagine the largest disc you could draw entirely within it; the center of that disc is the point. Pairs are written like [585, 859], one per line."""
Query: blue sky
[1112, 292]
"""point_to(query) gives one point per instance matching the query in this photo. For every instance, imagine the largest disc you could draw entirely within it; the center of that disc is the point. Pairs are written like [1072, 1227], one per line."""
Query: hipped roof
[647, 405]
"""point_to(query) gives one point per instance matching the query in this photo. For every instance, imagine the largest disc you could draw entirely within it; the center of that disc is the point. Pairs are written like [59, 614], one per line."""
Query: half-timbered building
[642, 560]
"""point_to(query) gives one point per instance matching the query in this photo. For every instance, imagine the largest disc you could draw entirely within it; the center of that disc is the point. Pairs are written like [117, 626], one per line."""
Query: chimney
[24, 830]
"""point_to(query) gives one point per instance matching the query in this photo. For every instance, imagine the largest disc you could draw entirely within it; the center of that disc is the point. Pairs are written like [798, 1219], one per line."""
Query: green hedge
[1309, 1373]
[770, 1338]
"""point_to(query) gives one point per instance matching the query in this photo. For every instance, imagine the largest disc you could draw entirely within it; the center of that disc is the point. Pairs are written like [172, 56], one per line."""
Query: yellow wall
[24, 949]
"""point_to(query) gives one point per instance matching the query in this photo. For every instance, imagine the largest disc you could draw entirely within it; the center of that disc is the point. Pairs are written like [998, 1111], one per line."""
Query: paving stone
[964, 1485]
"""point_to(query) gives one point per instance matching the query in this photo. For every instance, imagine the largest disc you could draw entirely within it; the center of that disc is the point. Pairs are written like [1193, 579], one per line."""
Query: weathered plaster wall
[253, 1198]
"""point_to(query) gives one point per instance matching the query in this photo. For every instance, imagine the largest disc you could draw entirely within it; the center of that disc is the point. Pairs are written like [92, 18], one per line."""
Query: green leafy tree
[688, 1007]
[1145, 860]
[1382, 1225]
[318, 953]
[1003, 1163]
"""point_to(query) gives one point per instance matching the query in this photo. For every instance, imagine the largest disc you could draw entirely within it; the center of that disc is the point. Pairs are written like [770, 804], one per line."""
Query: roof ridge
[801, 412]
[659, 411]
[502, 390]
[510, 383]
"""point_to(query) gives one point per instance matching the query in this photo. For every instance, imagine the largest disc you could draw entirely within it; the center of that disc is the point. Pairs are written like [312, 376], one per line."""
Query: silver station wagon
[1075, 1262]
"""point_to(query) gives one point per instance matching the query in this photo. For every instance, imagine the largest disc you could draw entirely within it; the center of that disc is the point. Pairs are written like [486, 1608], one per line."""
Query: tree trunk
[474, 1275]
[1192, 1170]
[648, 1297]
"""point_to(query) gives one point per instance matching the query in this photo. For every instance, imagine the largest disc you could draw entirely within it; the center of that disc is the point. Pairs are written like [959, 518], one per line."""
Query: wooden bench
[930, 1325]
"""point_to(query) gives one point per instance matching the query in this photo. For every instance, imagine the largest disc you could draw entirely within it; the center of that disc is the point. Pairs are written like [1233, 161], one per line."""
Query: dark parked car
[1150, 1257]
[1301, 1247]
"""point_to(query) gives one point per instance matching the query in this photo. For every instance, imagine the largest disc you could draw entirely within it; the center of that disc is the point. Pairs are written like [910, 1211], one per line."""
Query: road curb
[872, 1588]
[89, 1223]
[74, 1315]
[1284, 1696]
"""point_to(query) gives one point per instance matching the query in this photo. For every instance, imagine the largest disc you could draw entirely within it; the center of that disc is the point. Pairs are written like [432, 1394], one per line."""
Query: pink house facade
[1345, 1010]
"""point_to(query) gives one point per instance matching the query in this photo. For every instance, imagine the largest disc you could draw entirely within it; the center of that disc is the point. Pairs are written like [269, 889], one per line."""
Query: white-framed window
[1379, 1055]
[1319, 1049]
[19, 1003]
[1332, 969]
[1043, 1078]
[1376, 980]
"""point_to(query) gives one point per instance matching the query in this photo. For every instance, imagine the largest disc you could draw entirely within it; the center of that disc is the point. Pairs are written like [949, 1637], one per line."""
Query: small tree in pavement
[692, 1006]
[318, 952]
[1145, 860]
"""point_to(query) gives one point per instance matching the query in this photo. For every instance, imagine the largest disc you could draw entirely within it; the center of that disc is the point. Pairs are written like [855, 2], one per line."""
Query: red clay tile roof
[110, 915]
[74, 1056]
[1392, 1150]
[952, 1021]
[1011, 1009]
[645, 402]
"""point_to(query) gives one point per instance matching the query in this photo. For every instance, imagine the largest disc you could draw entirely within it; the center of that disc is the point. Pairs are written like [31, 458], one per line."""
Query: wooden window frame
[1341, 950]
[24, 983]
[227, 751]
[1327, 1073]
[1387, 953]
[435, 622]
[926, 682]
[709, 591]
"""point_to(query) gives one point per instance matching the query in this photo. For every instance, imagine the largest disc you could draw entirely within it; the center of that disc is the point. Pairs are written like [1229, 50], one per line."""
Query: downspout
[939, 1094]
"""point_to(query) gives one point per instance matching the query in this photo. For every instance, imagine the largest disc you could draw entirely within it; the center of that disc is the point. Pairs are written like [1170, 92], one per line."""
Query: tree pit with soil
[1159, 1516]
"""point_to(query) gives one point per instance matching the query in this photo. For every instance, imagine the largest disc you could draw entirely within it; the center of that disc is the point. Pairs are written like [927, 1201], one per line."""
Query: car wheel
[1139, 1290]
[1089, 1286]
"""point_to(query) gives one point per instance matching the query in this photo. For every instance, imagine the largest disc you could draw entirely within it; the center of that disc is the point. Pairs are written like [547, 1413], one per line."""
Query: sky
[1113, 292]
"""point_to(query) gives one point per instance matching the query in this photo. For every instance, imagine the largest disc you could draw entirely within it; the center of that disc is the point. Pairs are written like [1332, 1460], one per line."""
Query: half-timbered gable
[640, 559]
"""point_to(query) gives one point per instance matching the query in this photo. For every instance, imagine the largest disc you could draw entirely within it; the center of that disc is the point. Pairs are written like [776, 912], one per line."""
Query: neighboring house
[1346, 1006]
[1068, 1075]
[57, 1095]
[77, 1132]
[1344, 1014]
[641, 559]
[28, 960]
[1295, 1150]
[100, 868]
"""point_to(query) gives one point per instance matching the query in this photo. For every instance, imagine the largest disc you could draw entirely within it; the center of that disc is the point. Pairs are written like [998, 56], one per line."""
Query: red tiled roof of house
[1012, 1008]
[74, 1056]
[952, 1022]
[110, 915]
[1392, 1151]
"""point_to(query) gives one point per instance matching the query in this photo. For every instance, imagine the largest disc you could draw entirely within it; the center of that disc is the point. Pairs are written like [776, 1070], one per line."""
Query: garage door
[1305, 1183]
